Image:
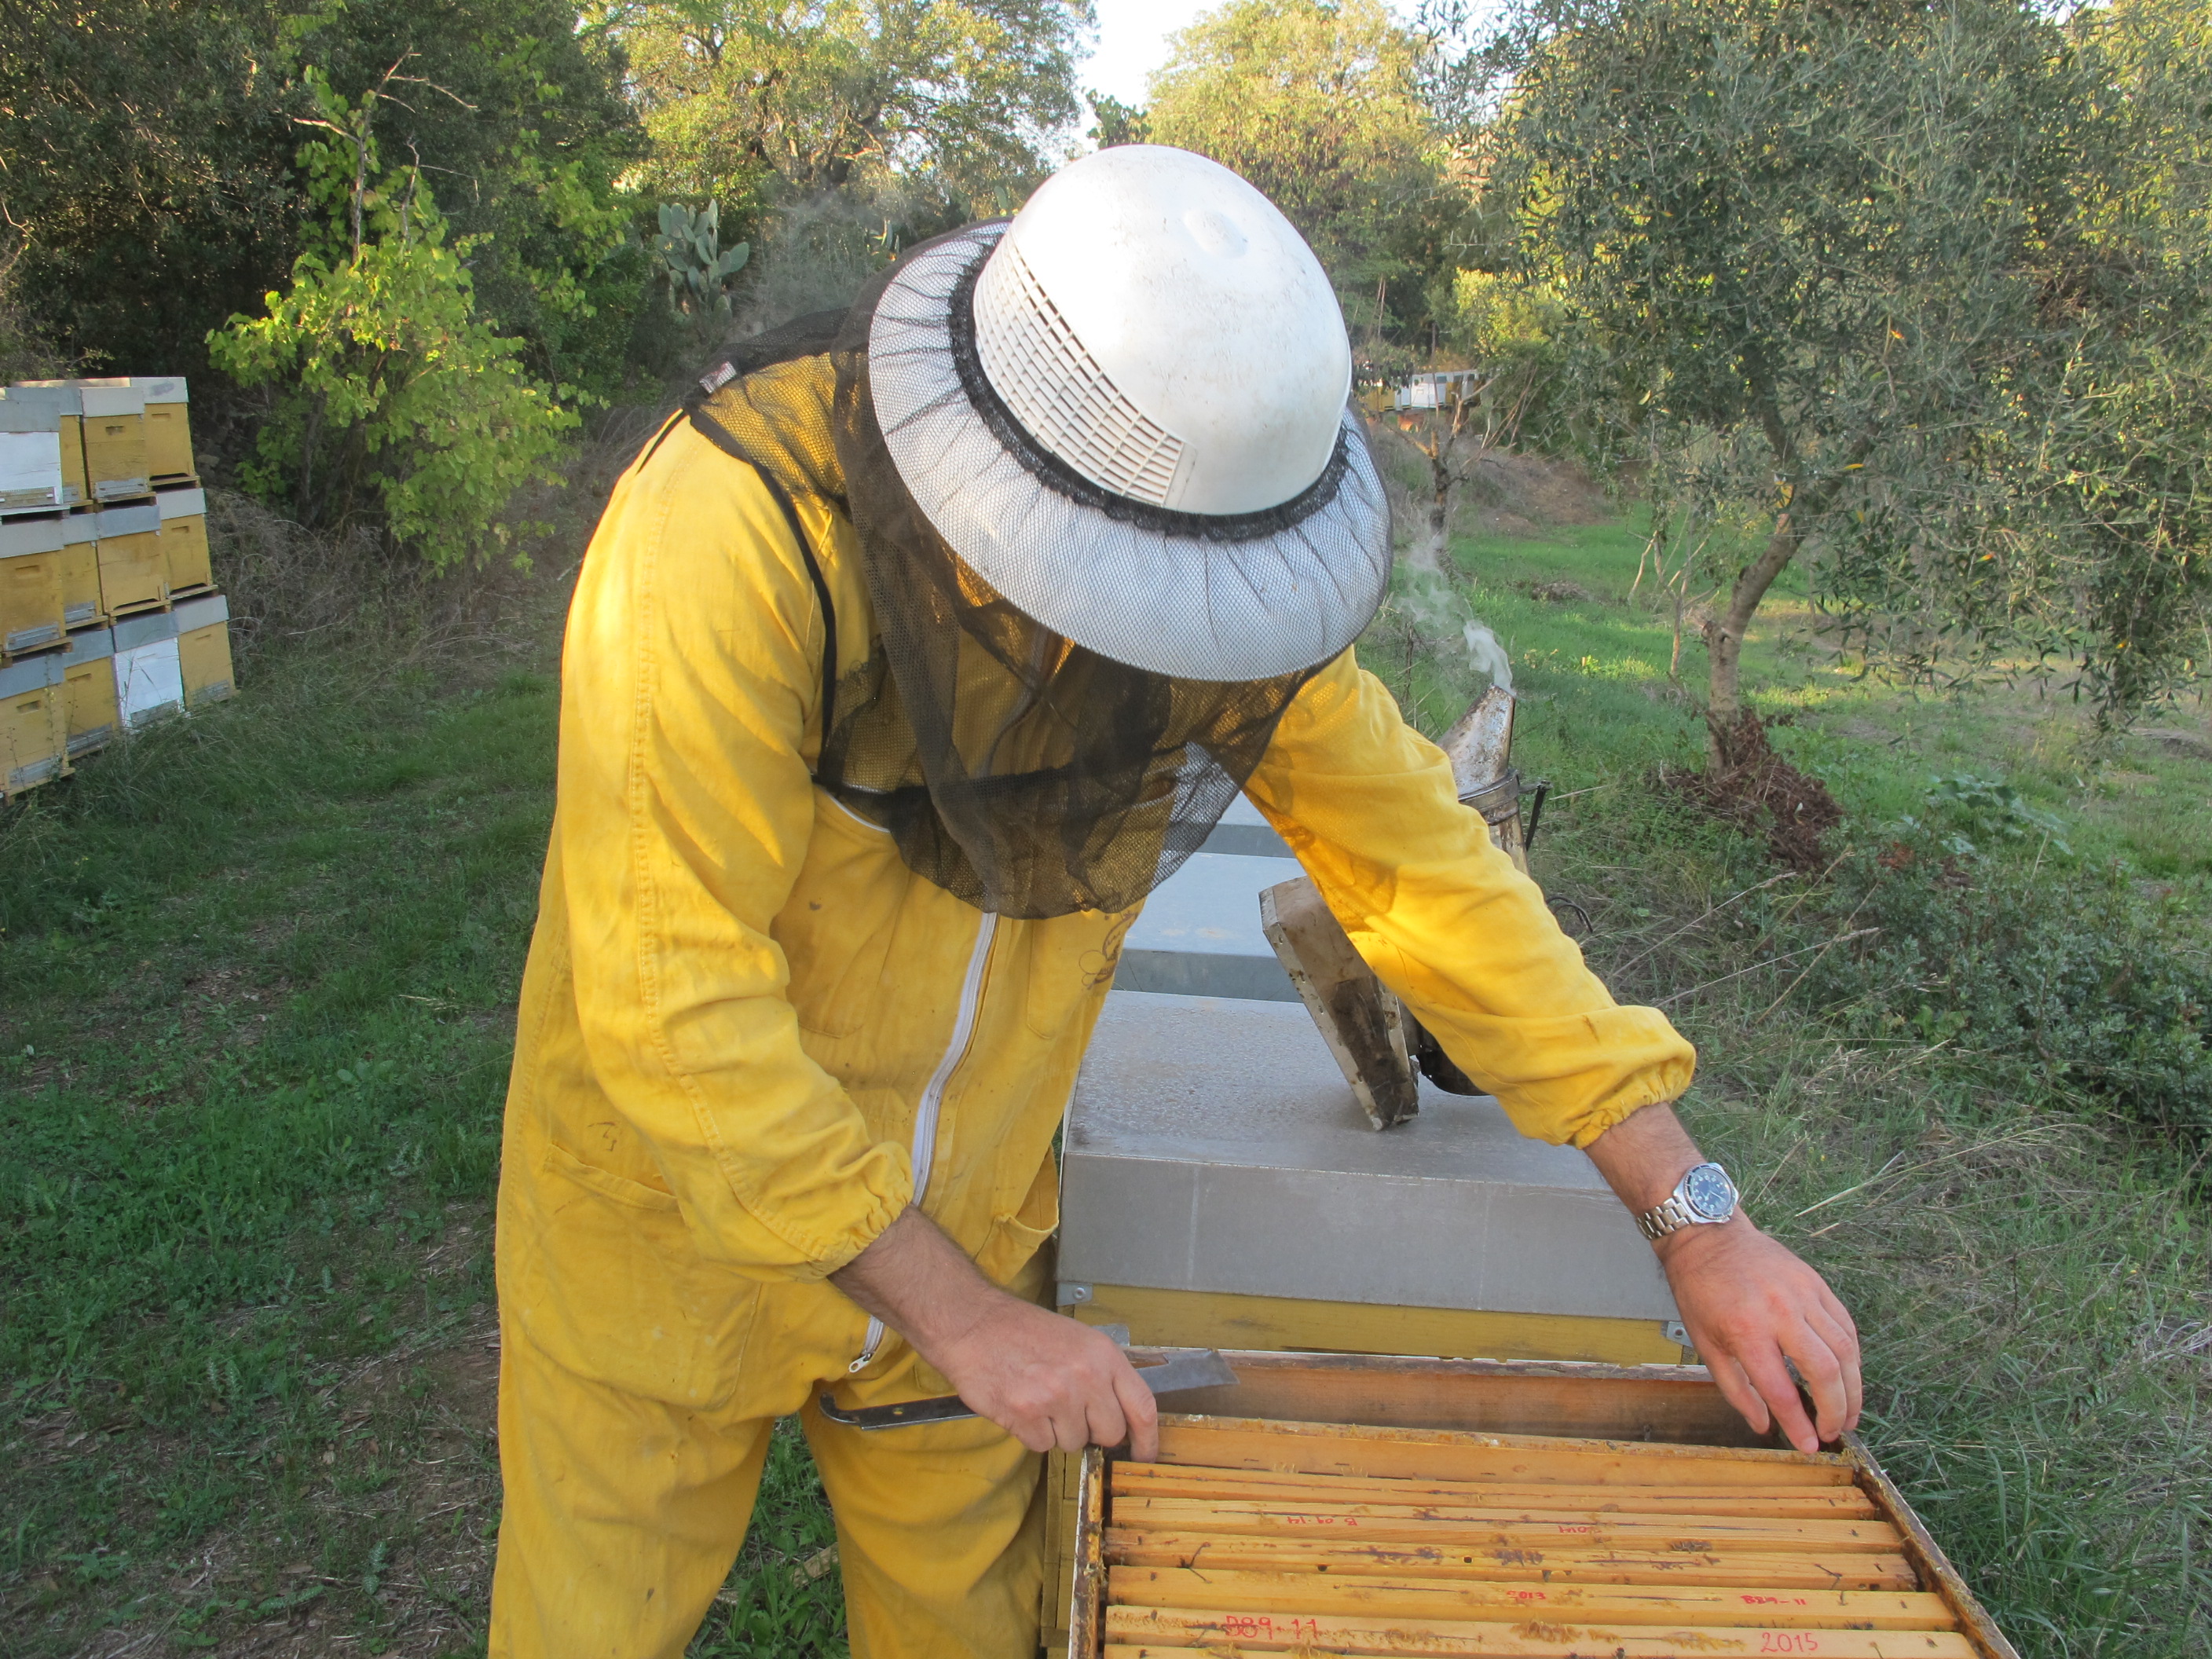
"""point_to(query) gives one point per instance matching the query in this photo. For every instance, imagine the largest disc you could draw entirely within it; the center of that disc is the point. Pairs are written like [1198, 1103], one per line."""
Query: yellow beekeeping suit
[739, 1005]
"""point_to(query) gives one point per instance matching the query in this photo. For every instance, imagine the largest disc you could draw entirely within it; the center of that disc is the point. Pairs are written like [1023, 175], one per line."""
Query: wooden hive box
[31, 609]
[133, 566]
[114, 440]
[90, 712]
[168, 427]
[203, 648]
[150, 681]
[61, 403]
[33, 745]
[81, 604]
[1357, 1505]
[30, 455]
[184, 539]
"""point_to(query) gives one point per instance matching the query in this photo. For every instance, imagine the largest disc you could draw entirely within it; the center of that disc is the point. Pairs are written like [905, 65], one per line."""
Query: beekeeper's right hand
[1050, 1383]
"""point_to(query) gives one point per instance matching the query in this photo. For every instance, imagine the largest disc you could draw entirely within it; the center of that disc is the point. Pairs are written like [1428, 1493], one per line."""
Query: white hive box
[1199, 934]
[149, 678]
[1242, 829]
[1221, 1185]
[30, 456]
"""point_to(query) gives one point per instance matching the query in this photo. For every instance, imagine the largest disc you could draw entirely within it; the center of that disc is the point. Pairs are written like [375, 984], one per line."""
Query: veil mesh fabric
[1022, 773]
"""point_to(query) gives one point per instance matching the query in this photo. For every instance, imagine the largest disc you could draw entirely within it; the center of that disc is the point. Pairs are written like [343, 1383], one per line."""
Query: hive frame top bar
[1409, 1401]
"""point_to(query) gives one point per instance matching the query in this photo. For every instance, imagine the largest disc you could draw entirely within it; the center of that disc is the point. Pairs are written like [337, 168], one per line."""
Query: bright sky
[1133, 42]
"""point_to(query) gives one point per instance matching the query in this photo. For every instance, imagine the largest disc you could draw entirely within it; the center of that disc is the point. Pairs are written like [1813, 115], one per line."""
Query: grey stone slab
[1242, 831]
[1200, 932]
[1213, 1145]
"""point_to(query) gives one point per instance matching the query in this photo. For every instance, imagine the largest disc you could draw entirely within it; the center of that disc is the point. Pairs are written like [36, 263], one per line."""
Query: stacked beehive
[109, 616]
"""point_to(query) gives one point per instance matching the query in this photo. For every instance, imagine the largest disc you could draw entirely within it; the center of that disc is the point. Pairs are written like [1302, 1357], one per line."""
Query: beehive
[60, 400]
[81, 604]
[1500, 1509]
[30, 455]
[168, 427]
[32, 740]
[148, 673]
[133, 568]
[184, 539]
[31, 609]
[203, 649]
[114, 440]
[90, 715]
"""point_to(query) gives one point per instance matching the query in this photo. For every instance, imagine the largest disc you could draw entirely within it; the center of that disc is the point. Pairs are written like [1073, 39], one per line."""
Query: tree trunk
[1724, 634]
[1724, 637]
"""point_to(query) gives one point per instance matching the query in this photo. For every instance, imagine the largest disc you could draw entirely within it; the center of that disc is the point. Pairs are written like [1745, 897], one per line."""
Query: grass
[257, 980]
[258, 975]
[2032, 1277]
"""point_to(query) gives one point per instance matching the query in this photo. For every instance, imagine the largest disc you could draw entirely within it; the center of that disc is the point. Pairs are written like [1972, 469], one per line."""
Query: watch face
[1709, 1190]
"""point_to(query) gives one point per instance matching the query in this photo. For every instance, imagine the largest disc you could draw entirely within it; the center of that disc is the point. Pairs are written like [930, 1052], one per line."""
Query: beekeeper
[902, 666]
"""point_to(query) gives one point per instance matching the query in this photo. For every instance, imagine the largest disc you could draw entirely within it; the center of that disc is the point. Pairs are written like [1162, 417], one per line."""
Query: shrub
[395, 404]
[2079, 976]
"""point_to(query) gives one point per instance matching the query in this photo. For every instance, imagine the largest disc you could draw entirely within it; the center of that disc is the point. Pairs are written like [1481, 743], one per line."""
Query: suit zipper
[923, 1153]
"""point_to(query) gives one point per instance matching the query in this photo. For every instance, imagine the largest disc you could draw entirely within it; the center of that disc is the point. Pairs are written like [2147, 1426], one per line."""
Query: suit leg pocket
[612, 1289]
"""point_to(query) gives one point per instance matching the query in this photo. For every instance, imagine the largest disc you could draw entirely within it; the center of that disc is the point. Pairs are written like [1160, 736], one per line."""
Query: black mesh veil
[1024, 773]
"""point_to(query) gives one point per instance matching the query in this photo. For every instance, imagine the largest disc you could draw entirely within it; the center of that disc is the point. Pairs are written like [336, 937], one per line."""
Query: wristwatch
[1703, 1197]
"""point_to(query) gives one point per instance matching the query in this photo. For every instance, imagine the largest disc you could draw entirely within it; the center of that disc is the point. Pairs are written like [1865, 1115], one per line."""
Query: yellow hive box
[31, 616]
[90, 714]
[168, 427]
[81, 606]
[133, 568]
[31, 741]
[60, 399]
[114, 440]
[203, 648]
[184, 539]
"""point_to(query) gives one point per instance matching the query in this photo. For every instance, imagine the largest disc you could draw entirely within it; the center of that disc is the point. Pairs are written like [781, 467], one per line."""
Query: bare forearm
[918, 1282]
[1644, 1155]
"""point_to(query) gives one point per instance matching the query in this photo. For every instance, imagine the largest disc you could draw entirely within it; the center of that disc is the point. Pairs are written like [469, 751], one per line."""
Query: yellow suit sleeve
[1446, 922]
[691, 670]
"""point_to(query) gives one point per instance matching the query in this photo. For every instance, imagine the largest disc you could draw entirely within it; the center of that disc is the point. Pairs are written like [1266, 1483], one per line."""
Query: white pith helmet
[1126, 411]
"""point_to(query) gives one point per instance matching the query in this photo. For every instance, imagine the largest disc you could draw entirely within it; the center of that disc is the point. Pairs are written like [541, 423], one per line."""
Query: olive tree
[1804, 254]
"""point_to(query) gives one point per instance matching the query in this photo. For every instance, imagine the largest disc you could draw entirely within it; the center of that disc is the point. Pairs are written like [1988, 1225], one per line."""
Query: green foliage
[2083, 986]
[779, 1602]
[1318, 103]
[1967, 814]
[151, 149]
[1920, 287]
[698, 269]
[395, 405]
[747, 102]
[1117, 123]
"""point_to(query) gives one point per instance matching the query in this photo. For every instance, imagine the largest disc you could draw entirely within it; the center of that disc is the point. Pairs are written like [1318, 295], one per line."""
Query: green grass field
[256, 980]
